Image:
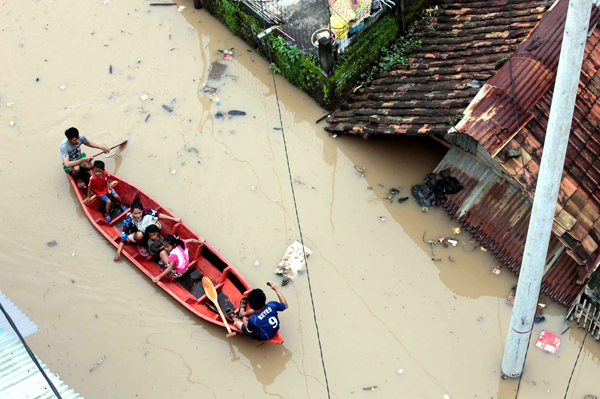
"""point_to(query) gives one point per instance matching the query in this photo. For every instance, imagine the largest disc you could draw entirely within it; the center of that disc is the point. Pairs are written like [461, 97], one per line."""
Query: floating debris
[293, 260]
[453, 242]
[370, 388]
[173, 171]
[253, 188]
[208, 89]
[110, 69]
[10, 104]
[221, 114]
[360, 170]
[148, 117]
[497, 270]
[256, 263]
[424, 209]
[451, 260]
[480, 318]
[144, 97]
[456, 230]
[334, 136]
[483, 249]
[548, 342]
[285, 281]
[181, 8]
[168, 109]
[12, 123]
[394, 191]
[52, 243]
[400, 371]
[98, 364]
[213, 97]
[217, 70]
[382, 218]
[402, 200]
[63, 87]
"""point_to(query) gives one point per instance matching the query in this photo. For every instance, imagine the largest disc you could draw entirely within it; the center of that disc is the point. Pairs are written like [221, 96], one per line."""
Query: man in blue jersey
[260, 321]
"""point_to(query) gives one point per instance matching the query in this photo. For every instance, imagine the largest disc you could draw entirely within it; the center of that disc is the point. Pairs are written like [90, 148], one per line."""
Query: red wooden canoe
[231, 286]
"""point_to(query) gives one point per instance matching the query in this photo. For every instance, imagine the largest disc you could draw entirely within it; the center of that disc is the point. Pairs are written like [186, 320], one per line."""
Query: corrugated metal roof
[496, 213]
[26, 327]
[490, 118]
[21, 379]
[19, 376]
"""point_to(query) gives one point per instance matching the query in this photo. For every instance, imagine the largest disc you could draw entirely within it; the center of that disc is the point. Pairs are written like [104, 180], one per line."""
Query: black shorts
[251, 334]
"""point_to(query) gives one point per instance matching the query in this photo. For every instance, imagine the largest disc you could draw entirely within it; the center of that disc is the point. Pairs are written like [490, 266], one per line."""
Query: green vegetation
[368, 56]
[395, 54]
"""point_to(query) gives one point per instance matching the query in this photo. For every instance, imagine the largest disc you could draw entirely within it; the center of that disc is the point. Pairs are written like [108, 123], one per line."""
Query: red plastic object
[548, 342]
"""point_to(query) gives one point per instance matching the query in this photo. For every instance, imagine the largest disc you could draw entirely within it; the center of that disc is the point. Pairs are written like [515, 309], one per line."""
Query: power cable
[576, 360]
[16, 330]
[296, 209]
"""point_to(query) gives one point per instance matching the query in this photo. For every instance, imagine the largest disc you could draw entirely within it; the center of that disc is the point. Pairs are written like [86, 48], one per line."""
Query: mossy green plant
[303, 70]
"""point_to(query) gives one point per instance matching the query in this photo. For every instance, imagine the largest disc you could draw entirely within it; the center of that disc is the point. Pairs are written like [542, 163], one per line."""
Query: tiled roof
[490, 119]
[470, 37]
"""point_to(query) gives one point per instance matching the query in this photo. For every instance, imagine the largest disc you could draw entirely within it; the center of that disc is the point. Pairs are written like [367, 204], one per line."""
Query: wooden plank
[582, 307]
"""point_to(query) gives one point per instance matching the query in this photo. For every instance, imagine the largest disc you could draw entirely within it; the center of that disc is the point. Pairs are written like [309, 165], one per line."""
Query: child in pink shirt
[179, 257]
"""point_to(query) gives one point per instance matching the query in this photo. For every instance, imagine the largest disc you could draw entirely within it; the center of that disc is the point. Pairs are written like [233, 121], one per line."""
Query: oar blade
[209, 289]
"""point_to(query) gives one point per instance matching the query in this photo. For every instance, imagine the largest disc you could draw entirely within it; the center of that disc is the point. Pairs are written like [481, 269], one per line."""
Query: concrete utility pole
[548, 183]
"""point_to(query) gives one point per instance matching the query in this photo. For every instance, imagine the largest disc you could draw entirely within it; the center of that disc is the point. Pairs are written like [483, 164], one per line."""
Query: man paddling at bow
[72, 157]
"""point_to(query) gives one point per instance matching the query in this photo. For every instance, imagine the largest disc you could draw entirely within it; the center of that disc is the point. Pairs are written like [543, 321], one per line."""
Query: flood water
[382, 304]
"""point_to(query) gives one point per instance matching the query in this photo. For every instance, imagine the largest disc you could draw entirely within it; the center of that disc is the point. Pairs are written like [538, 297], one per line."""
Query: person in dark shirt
[260, 321]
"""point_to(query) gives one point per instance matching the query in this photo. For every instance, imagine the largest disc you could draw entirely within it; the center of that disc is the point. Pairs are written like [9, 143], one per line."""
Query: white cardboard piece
[293, 260]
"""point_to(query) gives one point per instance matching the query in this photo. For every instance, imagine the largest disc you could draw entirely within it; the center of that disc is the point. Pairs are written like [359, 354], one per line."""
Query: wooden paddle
[111, 148]
[211, 293]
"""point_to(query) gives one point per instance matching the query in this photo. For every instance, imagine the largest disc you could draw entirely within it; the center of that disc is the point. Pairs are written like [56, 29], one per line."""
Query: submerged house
[495, 145]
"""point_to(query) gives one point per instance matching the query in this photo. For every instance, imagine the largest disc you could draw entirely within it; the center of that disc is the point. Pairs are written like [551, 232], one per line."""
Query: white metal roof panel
[24, 325]
[21, 379]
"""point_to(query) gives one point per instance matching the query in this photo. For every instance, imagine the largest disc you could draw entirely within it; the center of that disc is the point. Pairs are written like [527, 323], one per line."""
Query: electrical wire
[16, 330]
[297, 214]
[576, 360]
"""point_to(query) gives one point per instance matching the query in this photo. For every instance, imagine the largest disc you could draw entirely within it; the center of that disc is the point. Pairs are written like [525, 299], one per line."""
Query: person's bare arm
[104, 149]
[275, 288]
[201, 241]
[119, 249]
[89, 193]
[164, 273]
[246, 313]
[70, 164]
[176, 220]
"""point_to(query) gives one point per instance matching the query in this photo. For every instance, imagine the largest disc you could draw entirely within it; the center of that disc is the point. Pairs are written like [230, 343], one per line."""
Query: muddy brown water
[381, 303]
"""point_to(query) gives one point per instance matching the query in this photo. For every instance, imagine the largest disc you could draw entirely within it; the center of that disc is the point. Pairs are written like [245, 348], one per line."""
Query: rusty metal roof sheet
[490, 119]
[496, 213]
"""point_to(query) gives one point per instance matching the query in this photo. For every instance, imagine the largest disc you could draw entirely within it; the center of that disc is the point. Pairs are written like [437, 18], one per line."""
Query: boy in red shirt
[100, 185]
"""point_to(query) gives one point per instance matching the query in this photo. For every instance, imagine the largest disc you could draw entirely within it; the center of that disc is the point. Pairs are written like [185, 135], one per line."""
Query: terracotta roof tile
[469, 38]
